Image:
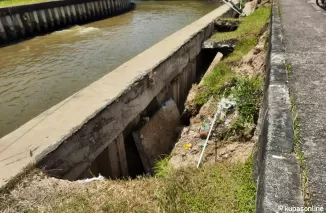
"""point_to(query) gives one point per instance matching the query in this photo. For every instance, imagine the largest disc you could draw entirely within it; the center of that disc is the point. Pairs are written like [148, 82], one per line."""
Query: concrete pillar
[73, 14]
[42, 18]
[68, 14]
[84, 11]
[174, 91]
[114, 8]
[49, 18]
[62, 15]
[27, 23]
[3, 35]
[35, 21]
[93, 9]
[112, 162]
[109, 3]
[117, 9]
[9, 27]
[18, 24]
[97, 8]
[118, 5]
[89, 10]
[125, 5]
[101, 8]
[105, 8]
[113, 153]
[56, 16]
[79, 12]
[122, 155]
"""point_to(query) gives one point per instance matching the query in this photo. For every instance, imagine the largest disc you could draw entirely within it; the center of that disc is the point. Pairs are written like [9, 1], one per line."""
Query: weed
[162, 167]
[246, 34]
[299, 153]
[251, 26]
[288, 68]
[248, 93]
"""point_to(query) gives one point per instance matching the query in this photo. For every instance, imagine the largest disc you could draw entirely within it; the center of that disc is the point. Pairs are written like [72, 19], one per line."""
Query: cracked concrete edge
[278, 170]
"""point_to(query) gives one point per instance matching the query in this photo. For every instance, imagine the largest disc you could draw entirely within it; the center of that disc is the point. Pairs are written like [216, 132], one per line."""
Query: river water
[39, 73]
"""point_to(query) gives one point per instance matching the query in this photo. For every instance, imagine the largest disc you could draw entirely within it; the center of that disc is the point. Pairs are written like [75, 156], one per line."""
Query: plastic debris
[187, 146]
[224, 105]
[88, 180]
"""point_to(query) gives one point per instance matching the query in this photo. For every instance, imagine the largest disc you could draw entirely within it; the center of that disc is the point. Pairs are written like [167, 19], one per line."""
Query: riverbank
[223, 186]
[11, 3]
[29, 20]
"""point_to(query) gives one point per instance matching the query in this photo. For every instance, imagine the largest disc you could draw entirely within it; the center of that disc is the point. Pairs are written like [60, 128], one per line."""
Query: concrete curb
[278, 170]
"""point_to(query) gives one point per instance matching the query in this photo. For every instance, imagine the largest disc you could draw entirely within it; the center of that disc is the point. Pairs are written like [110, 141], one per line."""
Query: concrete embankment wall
[29, 20]
[277, 167]
[66, 139]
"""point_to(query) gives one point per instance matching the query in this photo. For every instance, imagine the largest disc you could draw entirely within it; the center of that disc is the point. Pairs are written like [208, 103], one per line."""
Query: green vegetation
[251, 26]
[246, 36]
[299, 153]
[10, 3]
[248, 93]
[298, 146]
[217, 188]
[162, 167]
[222, 187]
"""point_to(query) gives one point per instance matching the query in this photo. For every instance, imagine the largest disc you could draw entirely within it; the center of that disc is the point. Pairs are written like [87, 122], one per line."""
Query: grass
[222, 187]
[248, 93]
[11, 3]
[162, 167]
[300, 154]
[298, 146]
[250, 28]
[217, 188]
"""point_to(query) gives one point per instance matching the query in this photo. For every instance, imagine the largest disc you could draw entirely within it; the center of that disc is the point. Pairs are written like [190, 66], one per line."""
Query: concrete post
[122, 155]
[56, 16]
[62, 15]
[9, 27]
[3, 35]
[27, 23]
[42, 19]
[18, 24]
[68, 14]
[105, 7]
[84, 11]
[73, 14]
[49, 18]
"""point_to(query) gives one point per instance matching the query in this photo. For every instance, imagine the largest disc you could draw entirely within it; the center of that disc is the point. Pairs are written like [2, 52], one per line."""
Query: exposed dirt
[254, 62]
[222, 145]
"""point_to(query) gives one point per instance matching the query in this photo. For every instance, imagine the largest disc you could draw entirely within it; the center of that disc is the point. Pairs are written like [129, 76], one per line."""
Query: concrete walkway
[304, 26]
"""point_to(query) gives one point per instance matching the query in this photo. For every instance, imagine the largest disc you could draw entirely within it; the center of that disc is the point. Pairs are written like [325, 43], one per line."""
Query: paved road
[304, 26]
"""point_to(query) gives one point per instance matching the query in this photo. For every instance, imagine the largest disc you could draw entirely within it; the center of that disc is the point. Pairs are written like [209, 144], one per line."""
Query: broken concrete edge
[278, 182]
[218, 57]
[54, 128]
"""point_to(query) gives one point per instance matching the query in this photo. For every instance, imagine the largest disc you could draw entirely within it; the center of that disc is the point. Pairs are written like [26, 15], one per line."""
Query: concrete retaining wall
[277, 166]
[29, 20]
[67, 138]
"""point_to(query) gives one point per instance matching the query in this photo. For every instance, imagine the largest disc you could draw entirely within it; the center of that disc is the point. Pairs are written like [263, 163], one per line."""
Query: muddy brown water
[39, 73]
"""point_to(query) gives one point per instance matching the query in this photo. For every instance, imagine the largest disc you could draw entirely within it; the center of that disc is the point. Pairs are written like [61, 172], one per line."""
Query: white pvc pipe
[209, 134]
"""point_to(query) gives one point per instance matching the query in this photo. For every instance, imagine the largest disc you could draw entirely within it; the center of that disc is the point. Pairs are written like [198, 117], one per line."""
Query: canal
[39, 73]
